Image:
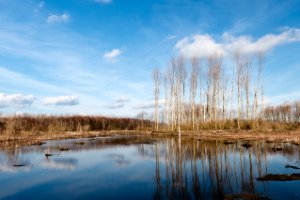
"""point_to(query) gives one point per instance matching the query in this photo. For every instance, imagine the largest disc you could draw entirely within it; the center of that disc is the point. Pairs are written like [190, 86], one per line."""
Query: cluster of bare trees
[211, 93]
[286, 113]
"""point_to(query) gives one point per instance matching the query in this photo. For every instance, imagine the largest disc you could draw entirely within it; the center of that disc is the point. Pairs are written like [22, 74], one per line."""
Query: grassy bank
[227, 136]
[33, 130]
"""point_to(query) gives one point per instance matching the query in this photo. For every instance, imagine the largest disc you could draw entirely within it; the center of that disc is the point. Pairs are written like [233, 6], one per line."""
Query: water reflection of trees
[184, 168]
[190, 169]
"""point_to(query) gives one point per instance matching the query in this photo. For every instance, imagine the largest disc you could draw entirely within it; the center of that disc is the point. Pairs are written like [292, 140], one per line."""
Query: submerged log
[277, 148]
[247, 145]
[39, 143]
[296, 143]
[279, 177]
[269, 141]
[292, 166]
[19, 165]
[50, 154]
[64, 149]
[79, 143]
[226, 142]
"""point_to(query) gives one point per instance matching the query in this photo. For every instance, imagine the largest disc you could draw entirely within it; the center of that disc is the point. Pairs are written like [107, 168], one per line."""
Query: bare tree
[260, 59]
[156, 78]
[237, 60]
[193, 86]
[214, 75]
[246, 79]
[179, 91]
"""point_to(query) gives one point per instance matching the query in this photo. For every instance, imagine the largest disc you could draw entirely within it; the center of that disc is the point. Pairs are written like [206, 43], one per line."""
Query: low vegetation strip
[16, 125]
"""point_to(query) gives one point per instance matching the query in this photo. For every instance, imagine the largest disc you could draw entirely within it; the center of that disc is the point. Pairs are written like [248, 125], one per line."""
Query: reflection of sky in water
[133, 169]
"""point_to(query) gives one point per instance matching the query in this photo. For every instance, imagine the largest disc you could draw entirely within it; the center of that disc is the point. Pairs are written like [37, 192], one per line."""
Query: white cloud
[112, 55]
[116, 106]
[199, 46]
[204, 45]
[265, 43]
[65, 17]
[103, 1]
[68, 100]
[16, 100]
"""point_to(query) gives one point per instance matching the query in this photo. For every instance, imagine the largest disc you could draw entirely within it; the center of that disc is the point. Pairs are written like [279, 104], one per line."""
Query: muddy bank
[39, 139]
[279, 177]
[229, 137]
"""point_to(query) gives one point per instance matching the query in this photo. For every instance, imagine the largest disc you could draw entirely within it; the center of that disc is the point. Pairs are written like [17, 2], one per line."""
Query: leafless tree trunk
[237, 57]
[260, 59]
[193, 87]
[246, 79]
[180, 91]
[156, 78]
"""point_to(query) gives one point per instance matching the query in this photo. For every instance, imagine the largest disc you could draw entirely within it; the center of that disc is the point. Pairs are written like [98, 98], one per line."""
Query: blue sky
[96, 56]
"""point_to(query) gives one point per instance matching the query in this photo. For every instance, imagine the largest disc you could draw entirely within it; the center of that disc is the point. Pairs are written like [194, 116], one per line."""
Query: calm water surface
[136, 167]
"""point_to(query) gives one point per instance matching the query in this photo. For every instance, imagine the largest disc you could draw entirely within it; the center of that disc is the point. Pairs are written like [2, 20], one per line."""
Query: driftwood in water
[39, 143]
[50, 154]
[277, 148]
[19, 165]
[226, 142]
[292, 166]
[247, 145]
[79, 143]
[296, 143]
[279, 177]
[64, 149]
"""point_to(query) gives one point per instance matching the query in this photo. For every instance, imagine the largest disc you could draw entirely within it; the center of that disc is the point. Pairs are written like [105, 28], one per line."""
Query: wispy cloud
[205, 45]
[170, 37]
[116, 106]
[112, 55]
[65, 17]
[122, 99]
[39, 6]
[119, 103]
[68, 100]
[103, 1]
[149, 104]
[19, 100]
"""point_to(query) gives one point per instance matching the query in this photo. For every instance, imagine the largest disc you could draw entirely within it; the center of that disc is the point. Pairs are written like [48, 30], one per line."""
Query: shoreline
[293, 137]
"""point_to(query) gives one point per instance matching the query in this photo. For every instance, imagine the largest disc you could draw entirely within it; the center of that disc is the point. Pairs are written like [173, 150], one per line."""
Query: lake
[144, 167]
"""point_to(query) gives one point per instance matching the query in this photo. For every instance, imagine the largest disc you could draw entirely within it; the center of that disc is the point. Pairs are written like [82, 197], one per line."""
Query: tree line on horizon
[35, 124]
[212, 93]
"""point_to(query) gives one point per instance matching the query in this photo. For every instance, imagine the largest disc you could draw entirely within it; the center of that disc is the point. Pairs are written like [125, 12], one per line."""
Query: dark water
[138, 167]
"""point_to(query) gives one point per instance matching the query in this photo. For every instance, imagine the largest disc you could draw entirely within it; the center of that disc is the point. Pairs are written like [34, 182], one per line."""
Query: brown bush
[14, 125]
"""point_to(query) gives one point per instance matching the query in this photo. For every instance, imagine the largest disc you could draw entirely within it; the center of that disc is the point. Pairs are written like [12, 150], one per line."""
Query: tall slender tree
[156, 78]
[193, 87]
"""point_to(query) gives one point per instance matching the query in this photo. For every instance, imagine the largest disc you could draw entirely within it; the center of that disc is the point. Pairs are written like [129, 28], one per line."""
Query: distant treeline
[286, 113]
[15, 125]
